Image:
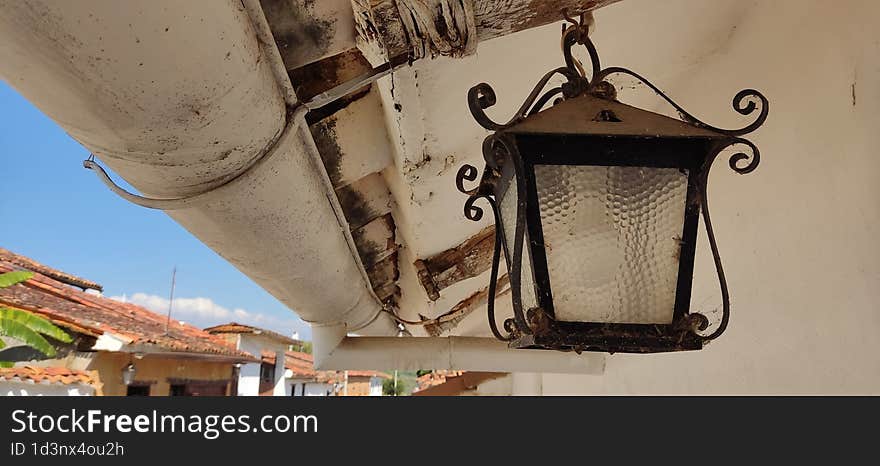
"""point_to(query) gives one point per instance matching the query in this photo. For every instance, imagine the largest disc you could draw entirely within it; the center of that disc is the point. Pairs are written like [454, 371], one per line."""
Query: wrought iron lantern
[597, 207]
[128, 374]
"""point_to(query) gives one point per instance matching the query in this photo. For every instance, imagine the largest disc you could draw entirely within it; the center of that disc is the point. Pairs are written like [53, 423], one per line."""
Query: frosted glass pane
[612, 236]
[507, 208]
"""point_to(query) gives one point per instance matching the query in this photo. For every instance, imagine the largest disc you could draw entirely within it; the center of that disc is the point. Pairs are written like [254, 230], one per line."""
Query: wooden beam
[438, 325]
[382, 34]
[322, 75]
[468, 259]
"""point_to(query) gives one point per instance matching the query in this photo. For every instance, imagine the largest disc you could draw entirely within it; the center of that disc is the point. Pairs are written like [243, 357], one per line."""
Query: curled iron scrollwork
[475, 213]
[469, 173]
[744, 103]
[753, 158]
[466, 173]
[482, 96]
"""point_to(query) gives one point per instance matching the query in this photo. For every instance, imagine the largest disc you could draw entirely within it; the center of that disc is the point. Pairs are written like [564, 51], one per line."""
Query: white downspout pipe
[333, 350]
[278, 389]
[178, 98]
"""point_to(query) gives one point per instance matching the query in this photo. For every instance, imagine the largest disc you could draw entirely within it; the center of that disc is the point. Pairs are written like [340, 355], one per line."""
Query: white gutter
[270, 50]
[179, 98]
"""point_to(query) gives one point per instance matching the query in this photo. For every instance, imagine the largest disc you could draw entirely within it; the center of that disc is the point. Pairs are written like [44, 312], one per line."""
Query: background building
[266, 377]
[48, 381]
[159, 356]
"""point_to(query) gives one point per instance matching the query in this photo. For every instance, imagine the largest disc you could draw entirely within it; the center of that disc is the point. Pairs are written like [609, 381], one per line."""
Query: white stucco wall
[376, 386]
[305, 387]
[13, 388]
[249, 374]
[798, 237]
[280, 388]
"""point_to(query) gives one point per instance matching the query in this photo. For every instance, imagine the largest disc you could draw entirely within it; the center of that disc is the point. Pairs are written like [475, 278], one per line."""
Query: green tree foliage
[25, 327]
[388, 388]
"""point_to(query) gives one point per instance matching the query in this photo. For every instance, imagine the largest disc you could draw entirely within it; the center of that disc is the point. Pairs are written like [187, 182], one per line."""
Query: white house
[259, 378]
[300, 376]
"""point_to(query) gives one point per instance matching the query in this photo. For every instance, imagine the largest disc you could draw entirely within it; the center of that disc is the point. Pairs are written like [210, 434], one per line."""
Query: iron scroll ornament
[577, 83]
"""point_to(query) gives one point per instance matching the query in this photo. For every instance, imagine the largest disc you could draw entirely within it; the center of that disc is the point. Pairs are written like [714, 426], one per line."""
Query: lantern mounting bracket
[535, 327]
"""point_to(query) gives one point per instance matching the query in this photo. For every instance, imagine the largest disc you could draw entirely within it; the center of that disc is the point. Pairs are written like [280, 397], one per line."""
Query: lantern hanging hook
[482, 96]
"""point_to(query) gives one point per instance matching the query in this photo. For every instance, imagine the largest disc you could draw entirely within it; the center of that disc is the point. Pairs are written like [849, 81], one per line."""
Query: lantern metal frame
[129, 372]
[536, 327]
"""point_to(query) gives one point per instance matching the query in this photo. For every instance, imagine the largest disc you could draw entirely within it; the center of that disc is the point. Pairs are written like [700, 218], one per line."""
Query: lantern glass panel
[508, 209]
[612, 239]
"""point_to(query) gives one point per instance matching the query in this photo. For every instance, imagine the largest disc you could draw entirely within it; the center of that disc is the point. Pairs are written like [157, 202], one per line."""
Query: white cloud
[204, 312]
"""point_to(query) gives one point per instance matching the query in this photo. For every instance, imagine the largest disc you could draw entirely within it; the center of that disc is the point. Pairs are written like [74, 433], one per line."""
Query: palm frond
[35, 323]
[4, 364]
[21, 332]
[11, 278]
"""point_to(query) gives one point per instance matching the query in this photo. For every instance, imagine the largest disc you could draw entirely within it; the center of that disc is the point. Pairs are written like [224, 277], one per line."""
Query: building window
[267, 373]
[138, 390]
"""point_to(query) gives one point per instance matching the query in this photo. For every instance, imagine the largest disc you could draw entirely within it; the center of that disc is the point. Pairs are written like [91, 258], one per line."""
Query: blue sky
[58, 213]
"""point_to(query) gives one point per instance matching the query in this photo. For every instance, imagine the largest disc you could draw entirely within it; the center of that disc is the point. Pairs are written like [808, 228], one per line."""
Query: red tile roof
[52, 375]
[453, 385]
[237, 328]
[301, 364]
[339, 376]
[435, 378]
[95, 315]
[63, 277]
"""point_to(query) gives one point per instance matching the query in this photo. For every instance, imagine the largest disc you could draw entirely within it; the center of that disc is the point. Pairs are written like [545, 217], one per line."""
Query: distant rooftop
[93, 315]
[236, 328]
[63, 277]
[301, 364]
[50, 375]
[339, 376]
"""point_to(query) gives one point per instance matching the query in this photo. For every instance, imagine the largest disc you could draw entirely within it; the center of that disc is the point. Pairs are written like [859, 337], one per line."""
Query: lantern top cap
[589, 115]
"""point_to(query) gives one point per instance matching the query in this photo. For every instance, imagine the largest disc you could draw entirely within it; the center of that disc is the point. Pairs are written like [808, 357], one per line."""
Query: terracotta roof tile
[301, 364]
[63, 277]
[51, 375]
[455, 383]
[95, 315]
[339, 376]
[436, 378]
[237, 328]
